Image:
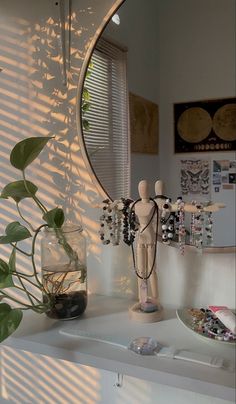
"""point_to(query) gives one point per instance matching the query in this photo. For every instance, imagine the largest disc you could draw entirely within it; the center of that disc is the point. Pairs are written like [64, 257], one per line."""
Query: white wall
[197, 62]
[37, 379]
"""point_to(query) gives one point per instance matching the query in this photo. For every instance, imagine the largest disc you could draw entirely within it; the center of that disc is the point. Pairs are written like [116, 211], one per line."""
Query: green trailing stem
[41, 306]
[38, 203]
[20, 250]
[23, 218]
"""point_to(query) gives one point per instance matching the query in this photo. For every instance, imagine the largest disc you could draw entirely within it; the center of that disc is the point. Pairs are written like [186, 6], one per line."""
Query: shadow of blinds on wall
[107, 137]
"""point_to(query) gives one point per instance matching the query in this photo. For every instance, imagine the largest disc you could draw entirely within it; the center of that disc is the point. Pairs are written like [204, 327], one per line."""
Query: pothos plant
[22, 155]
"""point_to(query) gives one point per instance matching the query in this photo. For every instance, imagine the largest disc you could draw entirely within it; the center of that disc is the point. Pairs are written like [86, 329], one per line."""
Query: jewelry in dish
[205, 324]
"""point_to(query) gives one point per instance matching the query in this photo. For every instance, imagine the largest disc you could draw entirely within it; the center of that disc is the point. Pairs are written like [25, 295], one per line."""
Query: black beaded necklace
[161, 197]
[156, 237]
[129, 222]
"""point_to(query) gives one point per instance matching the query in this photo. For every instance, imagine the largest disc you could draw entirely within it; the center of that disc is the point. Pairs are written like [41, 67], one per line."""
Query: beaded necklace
[110, 223]
[145, 278]
[129, 222]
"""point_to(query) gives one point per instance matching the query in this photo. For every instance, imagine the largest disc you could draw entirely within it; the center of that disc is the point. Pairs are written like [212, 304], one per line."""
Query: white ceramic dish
[185, 318]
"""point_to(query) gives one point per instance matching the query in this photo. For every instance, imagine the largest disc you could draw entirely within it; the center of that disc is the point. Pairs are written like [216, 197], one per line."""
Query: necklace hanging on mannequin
[155, 211]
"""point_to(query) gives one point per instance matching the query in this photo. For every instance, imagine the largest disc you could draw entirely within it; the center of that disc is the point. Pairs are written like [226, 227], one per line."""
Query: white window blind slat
[107, 140]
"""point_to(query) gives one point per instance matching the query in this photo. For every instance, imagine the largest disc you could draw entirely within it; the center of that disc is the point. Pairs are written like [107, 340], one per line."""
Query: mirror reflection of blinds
[107, 140]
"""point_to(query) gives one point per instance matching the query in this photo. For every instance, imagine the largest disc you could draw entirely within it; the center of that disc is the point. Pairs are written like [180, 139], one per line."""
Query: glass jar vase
[64, 271]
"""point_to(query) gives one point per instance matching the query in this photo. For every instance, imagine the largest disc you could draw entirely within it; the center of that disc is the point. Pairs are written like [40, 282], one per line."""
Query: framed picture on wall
[205, 126]
[143, 125]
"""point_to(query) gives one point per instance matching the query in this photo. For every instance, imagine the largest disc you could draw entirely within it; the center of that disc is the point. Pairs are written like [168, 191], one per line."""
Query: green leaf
[12, 261]
[14, 232]
[18, 191]
[54, 218]
[85, 124]
[26, 151]
[4, 270]
[86, 106]
[8, 281]
[89, 70]
[9, 320]
[5, 276]
[85, 94]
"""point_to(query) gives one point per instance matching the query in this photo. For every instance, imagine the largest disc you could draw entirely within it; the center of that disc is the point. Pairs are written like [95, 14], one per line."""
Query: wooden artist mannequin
[146, 212]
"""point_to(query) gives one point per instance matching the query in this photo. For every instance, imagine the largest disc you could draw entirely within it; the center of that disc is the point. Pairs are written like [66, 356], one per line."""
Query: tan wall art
[143, 125]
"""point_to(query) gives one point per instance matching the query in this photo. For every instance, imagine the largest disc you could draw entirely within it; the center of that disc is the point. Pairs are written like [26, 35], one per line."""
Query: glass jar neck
[67, 228]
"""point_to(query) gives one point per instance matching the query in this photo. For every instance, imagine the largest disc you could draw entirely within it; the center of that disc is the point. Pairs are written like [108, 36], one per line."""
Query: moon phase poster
[205, 126]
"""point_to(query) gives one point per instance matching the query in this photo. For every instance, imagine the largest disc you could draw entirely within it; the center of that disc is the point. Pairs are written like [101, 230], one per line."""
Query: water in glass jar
[66, 288]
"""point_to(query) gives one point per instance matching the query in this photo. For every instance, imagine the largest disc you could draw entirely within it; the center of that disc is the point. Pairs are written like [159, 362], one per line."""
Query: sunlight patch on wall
[32, 378]
[36, 103]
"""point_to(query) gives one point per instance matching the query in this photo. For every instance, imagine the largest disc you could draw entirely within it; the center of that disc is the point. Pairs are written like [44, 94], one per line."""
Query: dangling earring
[105, 222]
[129, 222]
[199, 222]
[110, 222]
[116, 223]
[171, 227]
[192, 226]
[165, 215]
[167, 223]
[181, 225]
[209, 228]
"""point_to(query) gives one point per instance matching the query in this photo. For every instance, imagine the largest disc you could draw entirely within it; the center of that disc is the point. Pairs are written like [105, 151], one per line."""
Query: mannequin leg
[153, 277]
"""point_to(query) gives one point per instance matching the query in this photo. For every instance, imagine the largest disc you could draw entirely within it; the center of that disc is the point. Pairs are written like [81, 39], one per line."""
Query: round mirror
[160, 78]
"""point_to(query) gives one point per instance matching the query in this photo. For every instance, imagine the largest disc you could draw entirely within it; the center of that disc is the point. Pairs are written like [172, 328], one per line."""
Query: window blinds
[107, 139]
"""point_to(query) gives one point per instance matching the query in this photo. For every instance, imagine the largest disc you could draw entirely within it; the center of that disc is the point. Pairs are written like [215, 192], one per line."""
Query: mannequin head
[143, 189]
[159, 187]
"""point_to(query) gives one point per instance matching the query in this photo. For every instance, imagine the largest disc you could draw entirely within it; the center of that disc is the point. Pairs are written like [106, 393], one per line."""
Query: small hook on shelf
[119, 382]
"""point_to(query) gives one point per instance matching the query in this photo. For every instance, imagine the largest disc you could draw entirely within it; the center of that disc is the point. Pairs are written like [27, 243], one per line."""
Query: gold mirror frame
[84, 67]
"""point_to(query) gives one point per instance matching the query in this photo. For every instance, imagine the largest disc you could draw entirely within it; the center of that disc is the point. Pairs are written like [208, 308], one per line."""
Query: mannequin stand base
[137, 314]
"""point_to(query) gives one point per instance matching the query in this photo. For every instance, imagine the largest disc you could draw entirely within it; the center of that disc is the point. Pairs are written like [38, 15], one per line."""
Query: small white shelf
[109, 316]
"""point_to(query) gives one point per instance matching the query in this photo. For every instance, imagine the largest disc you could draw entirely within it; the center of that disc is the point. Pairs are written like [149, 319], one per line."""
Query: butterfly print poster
[195, 177]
